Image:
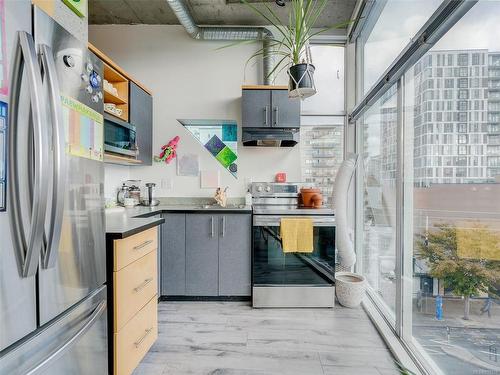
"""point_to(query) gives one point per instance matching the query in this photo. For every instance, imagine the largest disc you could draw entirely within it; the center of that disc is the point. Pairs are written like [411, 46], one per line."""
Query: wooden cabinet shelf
[109, 97]
[136, 104]
[121, 83]
[116, 159]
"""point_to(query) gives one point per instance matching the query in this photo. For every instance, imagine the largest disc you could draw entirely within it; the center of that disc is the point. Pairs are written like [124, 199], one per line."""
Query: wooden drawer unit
[133, 298]
[134, 247]
[135, 285]
[134, 340]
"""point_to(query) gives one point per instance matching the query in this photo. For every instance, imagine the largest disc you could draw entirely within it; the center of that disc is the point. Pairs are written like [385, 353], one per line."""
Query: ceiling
[205, 12]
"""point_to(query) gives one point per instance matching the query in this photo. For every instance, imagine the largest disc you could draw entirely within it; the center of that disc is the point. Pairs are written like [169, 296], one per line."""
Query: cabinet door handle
[140, 341]
[144, 244]
[212, 230]
[143, 285]
[276, 116]
[223, 226]
[266, 115]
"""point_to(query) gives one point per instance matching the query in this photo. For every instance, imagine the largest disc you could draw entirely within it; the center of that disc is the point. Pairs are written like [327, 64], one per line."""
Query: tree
[466, 259]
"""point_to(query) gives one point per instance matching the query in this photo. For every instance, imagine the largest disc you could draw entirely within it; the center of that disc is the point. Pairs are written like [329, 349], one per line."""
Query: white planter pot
[350, 288]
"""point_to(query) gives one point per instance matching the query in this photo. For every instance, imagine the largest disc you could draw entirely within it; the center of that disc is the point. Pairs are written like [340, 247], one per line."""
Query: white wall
[190, 79]
[114, 175]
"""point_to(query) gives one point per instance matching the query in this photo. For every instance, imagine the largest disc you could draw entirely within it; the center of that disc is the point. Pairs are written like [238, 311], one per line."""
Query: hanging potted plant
[291, 45]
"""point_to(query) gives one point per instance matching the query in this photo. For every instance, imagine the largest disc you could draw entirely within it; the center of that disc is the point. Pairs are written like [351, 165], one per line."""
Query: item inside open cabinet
[115, 87]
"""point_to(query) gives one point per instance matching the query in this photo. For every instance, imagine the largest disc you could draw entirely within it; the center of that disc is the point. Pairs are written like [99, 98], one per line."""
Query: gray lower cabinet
[202, 255]
[206, 254]
[235, 270]
[173, 255]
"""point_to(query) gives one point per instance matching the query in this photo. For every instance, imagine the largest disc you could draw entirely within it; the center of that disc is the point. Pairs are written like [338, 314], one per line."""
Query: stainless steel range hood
[276, 137]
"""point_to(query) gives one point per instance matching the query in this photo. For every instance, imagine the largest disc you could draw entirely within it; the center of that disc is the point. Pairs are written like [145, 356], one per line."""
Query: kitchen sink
[217, 207]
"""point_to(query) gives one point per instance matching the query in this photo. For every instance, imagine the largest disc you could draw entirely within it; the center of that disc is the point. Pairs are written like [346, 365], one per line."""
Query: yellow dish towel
[297, 235]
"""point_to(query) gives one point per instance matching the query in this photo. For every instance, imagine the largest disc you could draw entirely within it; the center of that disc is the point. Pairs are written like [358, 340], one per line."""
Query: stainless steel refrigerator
[53, 316]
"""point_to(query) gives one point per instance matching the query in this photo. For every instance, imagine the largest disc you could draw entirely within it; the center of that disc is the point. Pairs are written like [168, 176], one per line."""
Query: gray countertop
[124, 222]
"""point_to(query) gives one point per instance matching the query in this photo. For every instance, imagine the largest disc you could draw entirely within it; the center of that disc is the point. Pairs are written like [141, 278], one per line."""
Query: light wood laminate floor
[232, 338]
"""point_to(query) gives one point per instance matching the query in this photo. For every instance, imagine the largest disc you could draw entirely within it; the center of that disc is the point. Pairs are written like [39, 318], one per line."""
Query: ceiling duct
[230, 33]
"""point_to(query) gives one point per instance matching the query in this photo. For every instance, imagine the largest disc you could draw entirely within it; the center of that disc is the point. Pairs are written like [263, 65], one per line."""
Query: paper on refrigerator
[84, 129]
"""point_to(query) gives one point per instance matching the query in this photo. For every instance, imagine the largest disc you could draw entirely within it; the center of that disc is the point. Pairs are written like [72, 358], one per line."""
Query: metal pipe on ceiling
[229, 33]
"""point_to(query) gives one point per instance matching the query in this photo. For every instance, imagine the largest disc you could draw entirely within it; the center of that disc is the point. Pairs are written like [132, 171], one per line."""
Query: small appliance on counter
[150, 201]
[129, 194]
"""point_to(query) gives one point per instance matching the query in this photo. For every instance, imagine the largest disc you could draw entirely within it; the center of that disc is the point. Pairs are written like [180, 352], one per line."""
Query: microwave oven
[120, 137]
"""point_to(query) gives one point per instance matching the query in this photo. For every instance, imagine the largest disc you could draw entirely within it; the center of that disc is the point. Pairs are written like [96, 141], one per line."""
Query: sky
[401, 19]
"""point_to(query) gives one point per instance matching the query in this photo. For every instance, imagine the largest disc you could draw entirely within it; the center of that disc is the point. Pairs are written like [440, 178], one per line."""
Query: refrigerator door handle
[73, 340]
[59, 168]
[27, 245]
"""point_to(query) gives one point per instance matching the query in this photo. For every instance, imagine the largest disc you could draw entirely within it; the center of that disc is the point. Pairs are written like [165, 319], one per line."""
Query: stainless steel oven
[290, 279]
[120, 137]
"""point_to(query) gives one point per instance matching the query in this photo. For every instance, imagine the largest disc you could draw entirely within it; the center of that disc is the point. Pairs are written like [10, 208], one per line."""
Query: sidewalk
[453, 312]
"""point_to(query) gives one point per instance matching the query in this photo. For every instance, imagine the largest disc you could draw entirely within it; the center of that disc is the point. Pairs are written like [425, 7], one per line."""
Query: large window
[428, 220]
[391, 25]
[454, 211]
[322, 151]
[378, 150]
[323, 120]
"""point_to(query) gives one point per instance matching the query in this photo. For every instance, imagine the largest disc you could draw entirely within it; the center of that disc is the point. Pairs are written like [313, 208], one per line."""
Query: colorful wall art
[188, 165]
[219, 137]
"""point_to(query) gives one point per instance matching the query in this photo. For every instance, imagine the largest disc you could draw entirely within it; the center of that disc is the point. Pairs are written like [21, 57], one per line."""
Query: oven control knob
[99, 94]
[89, 89]
[95, 98]
[259, 188]
[84, 77]
[268, 189]
[89, 67]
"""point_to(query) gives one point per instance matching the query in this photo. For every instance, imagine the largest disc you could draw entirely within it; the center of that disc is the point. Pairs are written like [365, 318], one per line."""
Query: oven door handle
[275, 221]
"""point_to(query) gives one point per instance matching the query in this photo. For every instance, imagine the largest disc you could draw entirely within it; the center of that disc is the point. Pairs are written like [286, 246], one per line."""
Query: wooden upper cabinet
[136, 104]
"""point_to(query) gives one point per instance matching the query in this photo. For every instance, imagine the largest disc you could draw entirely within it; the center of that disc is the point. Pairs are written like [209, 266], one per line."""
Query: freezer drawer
[74, 344]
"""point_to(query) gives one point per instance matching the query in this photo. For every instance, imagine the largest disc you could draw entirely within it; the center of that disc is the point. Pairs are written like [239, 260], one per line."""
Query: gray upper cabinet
[256, 108]
[141, 115]
[202, 255]
[235, 252]
[173, 255]
[264, 108]
[285, 111]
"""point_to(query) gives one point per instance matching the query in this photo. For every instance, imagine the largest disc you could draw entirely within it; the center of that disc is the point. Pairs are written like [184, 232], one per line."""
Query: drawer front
[134, 340]
[134, 286]
[134, 247]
